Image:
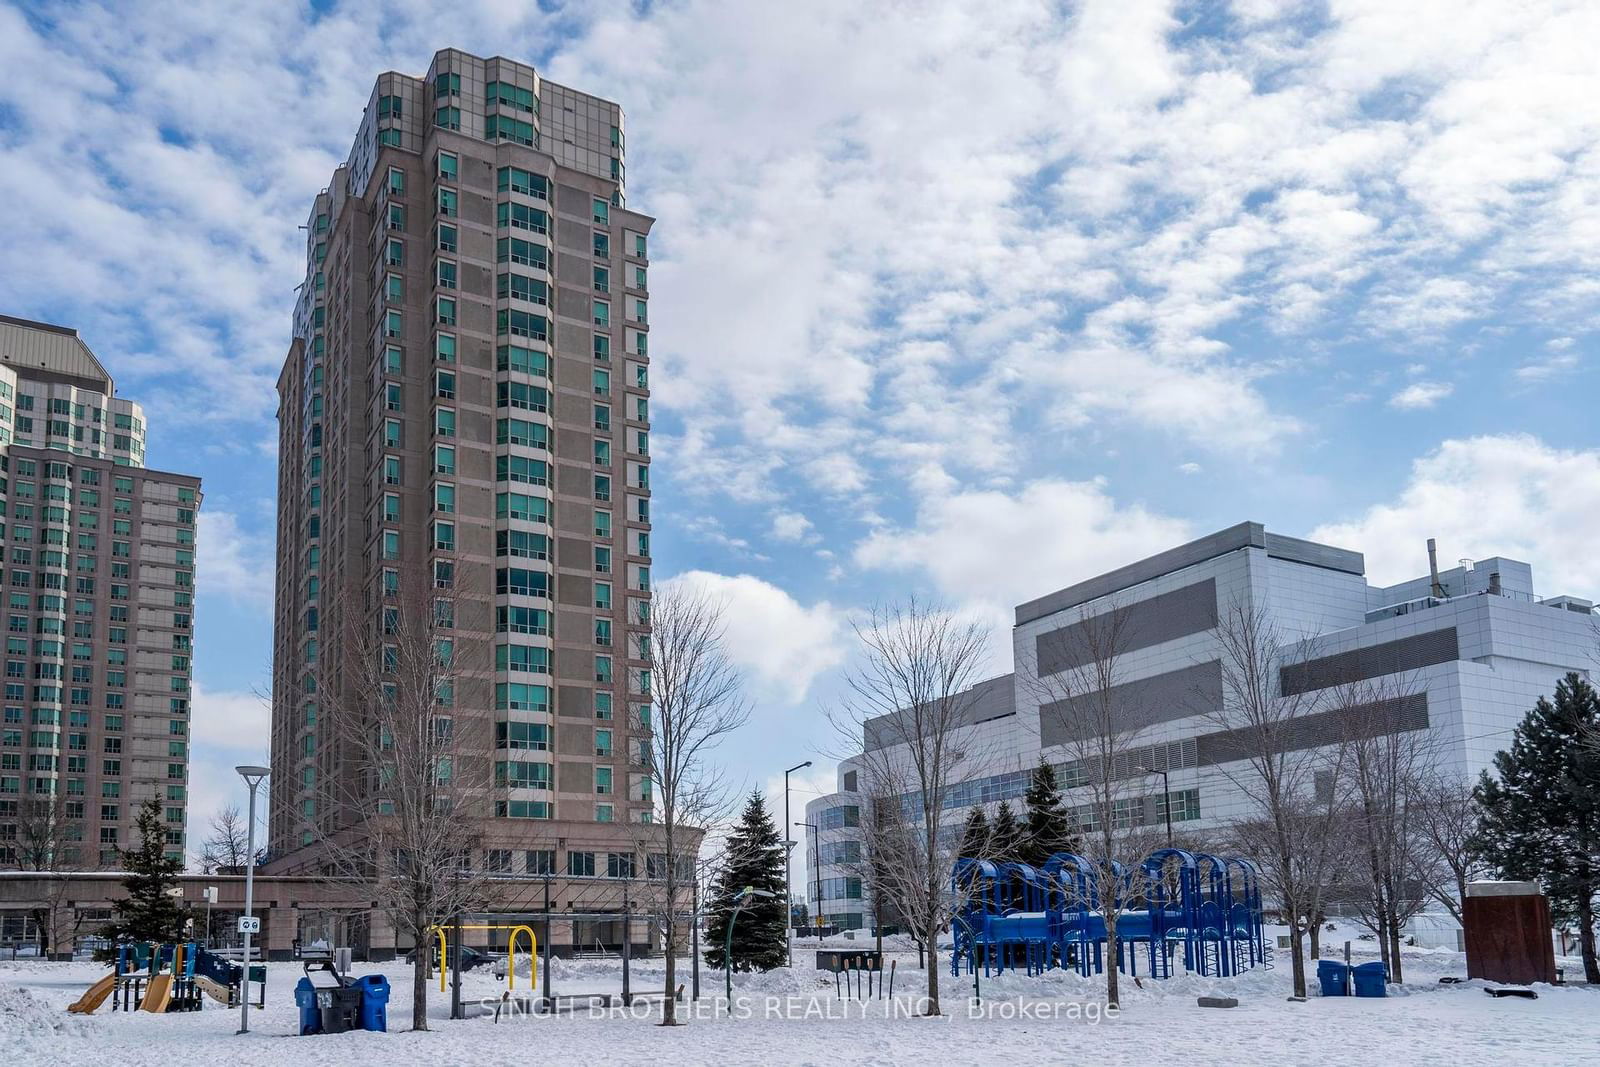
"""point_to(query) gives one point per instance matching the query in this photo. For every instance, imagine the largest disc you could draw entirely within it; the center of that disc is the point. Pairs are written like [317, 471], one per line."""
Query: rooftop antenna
[1433, 568]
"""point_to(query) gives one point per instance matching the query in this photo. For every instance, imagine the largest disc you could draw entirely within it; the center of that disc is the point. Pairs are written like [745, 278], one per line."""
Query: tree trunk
[419, 984]
[1297, 954]
[1112, 974]
[1395, 973]
[1380, 923]
[1591, 966]
[1380, 908]
[669, 1004]
[43, 918]
[932, 941]
[1314, 928]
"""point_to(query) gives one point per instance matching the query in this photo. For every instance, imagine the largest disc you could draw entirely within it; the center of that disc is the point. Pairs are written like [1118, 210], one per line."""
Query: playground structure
[169, 978]
[1012, 915]
[540, 996]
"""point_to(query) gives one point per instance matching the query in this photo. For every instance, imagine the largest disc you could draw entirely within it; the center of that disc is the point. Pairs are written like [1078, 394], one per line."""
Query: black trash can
[341, 1008]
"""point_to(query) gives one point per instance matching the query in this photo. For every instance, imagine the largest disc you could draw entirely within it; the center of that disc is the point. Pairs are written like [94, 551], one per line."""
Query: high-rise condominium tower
[466, 397]
[99, 586]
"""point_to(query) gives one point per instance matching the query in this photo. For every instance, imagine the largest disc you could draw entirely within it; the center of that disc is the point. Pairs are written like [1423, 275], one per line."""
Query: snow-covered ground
[789, 1017]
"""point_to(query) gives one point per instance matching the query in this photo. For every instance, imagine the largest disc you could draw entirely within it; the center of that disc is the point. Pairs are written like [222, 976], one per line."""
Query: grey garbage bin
[341, 1008]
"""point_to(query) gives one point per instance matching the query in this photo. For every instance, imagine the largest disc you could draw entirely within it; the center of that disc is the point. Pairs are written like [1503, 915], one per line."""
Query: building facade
[99, 556]
[467, 396]
[1463, 656]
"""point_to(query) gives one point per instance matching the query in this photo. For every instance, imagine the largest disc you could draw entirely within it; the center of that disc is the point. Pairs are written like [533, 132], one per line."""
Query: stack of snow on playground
[1202, 908]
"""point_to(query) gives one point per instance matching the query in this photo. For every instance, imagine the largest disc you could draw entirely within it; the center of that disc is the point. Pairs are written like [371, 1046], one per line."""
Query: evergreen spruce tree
[1047, 827]
[755, 859]
[1540, 812]
[149, 913]
[975, 838]
[1005, 837]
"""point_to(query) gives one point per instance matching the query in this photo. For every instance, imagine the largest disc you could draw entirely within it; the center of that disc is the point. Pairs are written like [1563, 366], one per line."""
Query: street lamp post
[816, 901]
[252, 777]
[727, 942]
[1166, 798]
[788, 848]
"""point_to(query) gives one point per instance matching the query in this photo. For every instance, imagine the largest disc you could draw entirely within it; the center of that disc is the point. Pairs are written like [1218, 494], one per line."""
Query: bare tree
[690, 699]
[404, 811]
[228, 845]
[1086, 708]
[48, 840]
[1386, 764]
[891, 843]
[1286, 768]
[1447, 819]
[907, 705]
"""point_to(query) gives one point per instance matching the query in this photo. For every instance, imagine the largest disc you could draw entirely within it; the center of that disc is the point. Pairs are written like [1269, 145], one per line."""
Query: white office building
[1463, 654]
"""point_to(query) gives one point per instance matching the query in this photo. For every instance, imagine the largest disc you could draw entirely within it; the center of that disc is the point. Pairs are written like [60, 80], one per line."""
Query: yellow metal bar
[438, 932]
[533, 957]
[511, 951]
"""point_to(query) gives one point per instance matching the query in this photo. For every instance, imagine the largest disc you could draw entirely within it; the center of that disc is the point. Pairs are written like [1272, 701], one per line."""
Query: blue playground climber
[1201, 908]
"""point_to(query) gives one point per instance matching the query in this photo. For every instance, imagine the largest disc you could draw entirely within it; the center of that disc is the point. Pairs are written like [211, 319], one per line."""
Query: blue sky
[971, 299]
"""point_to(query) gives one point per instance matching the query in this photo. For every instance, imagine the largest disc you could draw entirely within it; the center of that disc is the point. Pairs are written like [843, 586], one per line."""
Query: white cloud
[1509, 495]
[231, 720]
[1189, 468]
[229, 729]
[1132, 206]
[1426, 307]
[1556, 365]
[793, 527]
[708, 528]
[998, 549]
[782, 644]
[1419, 395]
[805, 785]
[233, 561]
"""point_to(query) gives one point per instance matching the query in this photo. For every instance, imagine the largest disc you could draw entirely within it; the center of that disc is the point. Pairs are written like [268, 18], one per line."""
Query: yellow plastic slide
[94, 997]
[158, 994]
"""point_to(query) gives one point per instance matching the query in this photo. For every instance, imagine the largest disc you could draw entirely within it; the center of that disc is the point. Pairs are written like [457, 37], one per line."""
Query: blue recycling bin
[1334, 977]
[305, 998]
[374, 1002]
[1370, 979]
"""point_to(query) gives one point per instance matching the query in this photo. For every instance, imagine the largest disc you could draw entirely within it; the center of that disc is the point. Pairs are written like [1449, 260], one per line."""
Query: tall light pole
[1166, 798]
[816, 902]
[252, 777]
[788, 847]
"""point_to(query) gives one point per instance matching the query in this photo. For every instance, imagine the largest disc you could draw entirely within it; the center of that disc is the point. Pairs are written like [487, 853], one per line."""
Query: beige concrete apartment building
[467, 395]
[99, 589]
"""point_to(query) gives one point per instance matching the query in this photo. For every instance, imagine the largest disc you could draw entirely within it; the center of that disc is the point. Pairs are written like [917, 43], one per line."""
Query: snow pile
[24, 1016]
